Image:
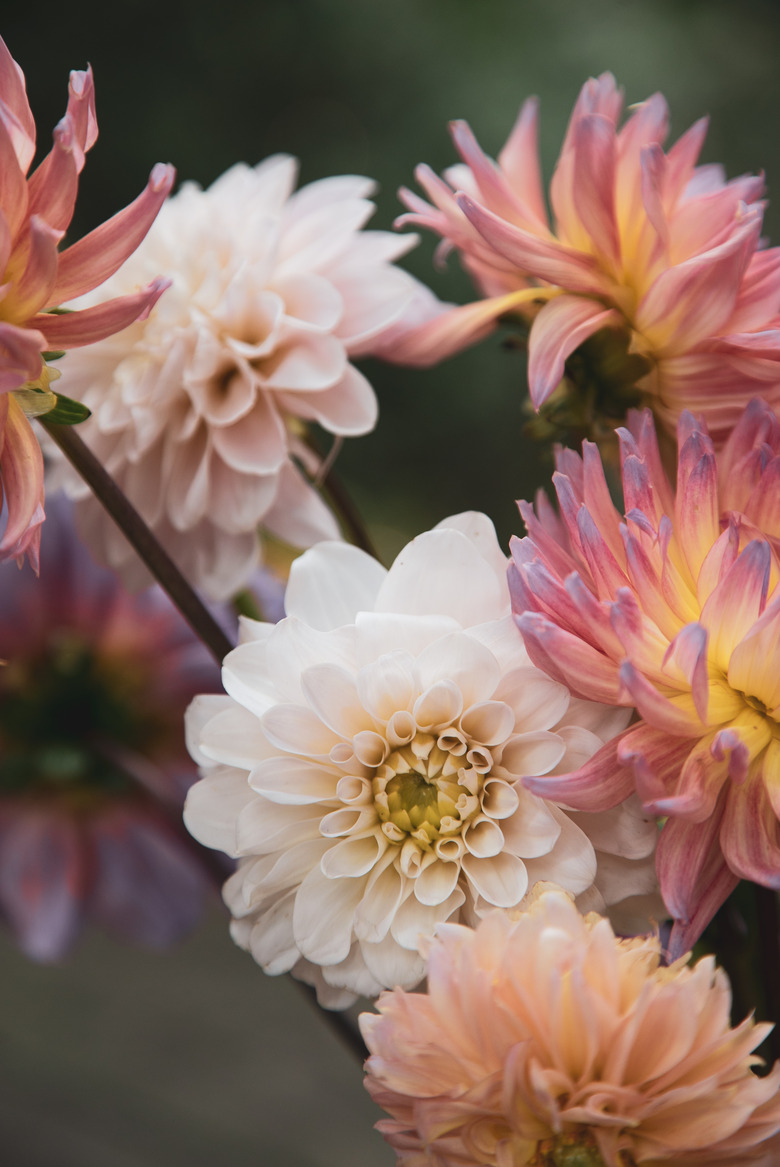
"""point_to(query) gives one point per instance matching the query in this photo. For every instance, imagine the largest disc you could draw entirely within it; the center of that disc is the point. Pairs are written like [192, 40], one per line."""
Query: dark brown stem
[141, 538]
[195, 613]
[769, 958]
[349, 514]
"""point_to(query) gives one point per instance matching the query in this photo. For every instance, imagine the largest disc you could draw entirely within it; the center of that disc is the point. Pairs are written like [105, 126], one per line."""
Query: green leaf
[68, 412]
[53, 354]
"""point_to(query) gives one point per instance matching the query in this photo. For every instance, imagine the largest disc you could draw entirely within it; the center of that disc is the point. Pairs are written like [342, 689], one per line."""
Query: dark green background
[124, 1059]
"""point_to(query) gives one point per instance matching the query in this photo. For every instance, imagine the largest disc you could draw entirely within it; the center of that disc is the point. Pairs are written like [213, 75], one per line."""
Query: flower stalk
[141, 538]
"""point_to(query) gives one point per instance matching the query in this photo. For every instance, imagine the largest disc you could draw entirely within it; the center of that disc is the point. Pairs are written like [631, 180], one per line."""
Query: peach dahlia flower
[643, 243]
[547, 1042]
[199, 411]
[675, 610]
[366, 765]
[35, 211]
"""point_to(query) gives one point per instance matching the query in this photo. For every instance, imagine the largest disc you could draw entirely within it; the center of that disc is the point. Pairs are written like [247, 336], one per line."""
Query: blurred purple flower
[93, 769]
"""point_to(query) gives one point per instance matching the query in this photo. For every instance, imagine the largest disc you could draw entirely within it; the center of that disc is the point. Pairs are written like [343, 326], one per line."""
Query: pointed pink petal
[533, 254]
[91, 260]
[682, 158]
[737, 602]
[594, 189]
[658, 710]
[603, 782]
[448, 333]
[21, 466]
[15, 110]
[496, 192]
[560, 328]
[685, 664]
[694, 876]
[655, 759]
[587, 672]
[13, 188]
[73, 329]
[20, 355]
[519, 160]
[33, 287]
[694, 299]
[750, 834]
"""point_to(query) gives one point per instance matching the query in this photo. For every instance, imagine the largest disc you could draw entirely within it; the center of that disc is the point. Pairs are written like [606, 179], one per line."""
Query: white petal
[499, 798]
[294, 781]
[489, 723]
[331, 583]
[213, 806]
[502, 880]
[385, 632]
[460, 659]
[349, 407]
[298, 730]
[235, 738]
[413, 919]
[534, 829]
[626, 830]
[332, 694]
[386, 685]
[483, 838]
[571, 863]
[532, 753]
[538, 701]
[353, 857]
[299, 515]
[480, 531]
[436, 883]
[200, 712]
[439, 706]
[275, 873]
[267, 826]
[392, 965]
[322, 920]
[271, 940]
[442, 573]
[385, 891]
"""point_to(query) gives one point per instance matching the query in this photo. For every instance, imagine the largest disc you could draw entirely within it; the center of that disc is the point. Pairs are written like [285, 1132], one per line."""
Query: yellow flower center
[429, 788]
[573, 1150]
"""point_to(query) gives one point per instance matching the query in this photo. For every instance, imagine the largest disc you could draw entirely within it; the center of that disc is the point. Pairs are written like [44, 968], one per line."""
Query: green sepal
[67, 411]
[53, 354]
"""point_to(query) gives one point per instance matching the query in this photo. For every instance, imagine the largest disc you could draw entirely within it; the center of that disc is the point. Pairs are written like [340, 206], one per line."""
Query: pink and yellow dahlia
[675, 610]
[663, 254]
[35, 212]
[547, 1042]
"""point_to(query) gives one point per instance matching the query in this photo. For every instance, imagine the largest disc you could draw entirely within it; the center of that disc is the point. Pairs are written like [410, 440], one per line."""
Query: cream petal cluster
[200, 411]
[547, 1042]
[366, 767]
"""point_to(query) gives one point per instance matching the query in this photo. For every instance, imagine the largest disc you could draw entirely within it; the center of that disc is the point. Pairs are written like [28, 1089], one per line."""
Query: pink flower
[644, 243]
[548, 1042]
[35, 212]
[93, 768]
[677, 612]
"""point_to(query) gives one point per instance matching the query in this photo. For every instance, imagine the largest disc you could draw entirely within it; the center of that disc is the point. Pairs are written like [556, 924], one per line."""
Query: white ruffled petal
[331, 583]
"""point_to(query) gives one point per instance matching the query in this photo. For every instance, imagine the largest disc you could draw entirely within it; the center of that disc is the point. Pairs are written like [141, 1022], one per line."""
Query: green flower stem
[192, 609]
[141, 538]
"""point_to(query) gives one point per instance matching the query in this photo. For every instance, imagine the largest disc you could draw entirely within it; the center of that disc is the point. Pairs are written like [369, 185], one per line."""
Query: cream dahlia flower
[366, 767]
[198, 410]
[547, 1042]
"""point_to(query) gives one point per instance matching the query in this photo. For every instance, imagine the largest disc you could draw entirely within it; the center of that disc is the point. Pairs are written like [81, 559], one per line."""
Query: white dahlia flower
[198, 409]
[366, 767]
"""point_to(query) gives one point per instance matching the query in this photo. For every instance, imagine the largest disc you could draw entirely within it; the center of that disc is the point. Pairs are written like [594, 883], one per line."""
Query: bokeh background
[121, 1058]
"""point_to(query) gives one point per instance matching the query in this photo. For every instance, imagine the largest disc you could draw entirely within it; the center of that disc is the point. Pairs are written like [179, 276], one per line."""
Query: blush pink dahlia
[201, 411]
[35, 211]
[675, 610]
[662, 254]
[548, 1042]
[93, 768]
[366, 767]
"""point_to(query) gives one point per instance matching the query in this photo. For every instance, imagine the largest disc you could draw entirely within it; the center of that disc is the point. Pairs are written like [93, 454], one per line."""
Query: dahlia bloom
[662, 253]
[366, 767]
[677, 612]
[199, 410]
[35, 212]
[93, 767]
[548, 1042]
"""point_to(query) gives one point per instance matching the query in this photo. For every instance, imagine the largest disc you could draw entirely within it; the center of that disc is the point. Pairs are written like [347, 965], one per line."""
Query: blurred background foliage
[196, 1057]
